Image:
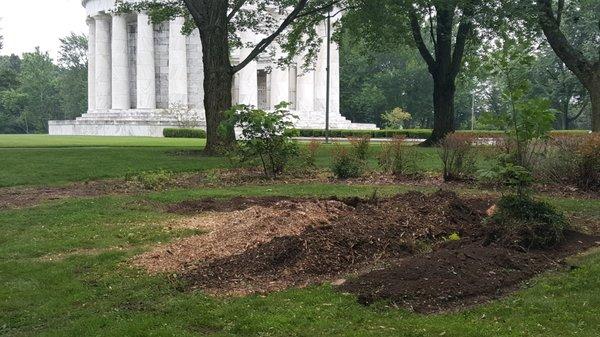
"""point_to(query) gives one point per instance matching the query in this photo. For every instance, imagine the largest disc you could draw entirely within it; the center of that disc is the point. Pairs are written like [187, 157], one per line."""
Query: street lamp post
[328, 90]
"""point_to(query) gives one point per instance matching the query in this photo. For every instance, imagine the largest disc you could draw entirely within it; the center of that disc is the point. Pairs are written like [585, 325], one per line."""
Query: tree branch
[295, 14]
[464, 29]
[235, 9]
[415, 28]
[573, 58]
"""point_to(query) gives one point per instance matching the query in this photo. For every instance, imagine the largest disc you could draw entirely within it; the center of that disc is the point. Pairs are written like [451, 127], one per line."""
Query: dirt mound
[376, 230]
[460, 274]
[234, 232]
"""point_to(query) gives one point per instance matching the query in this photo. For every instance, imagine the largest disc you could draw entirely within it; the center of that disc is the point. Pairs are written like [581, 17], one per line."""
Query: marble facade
[139, 71]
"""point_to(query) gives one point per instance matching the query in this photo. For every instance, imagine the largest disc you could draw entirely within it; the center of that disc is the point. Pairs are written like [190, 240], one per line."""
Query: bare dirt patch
[460, 274]
[374, 231]
[240, 224]
[395, 249]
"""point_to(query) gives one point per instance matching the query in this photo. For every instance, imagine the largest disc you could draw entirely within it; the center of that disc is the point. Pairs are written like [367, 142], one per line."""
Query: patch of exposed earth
[395, 249]
[240, 224]
[17, 197]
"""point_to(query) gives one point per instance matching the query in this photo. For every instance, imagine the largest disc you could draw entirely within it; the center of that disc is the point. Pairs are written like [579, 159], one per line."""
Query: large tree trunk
[218, 72]
[443, 107]
[595, 98]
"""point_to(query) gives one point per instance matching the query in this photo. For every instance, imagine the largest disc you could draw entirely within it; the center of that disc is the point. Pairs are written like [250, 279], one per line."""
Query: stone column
[321, 71]
[120, 64]
[248, 77]
[146, 72]
[248, 81]
[91, 65]
[178, 74]
[280, 86]
[102, 63]
[305, 92]
[334, 98]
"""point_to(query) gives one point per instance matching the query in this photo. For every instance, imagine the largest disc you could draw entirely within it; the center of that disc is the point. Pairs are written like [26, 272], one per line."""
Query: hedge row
[184, 133]
[417, 133]
[408, 133]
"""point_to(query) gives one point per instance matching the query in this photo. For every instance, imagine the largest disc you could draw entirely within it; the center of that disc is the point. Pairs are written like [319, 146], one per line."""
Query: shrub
[360, 146]
[184, 133]
[589, 163]
[311, 153]
[346, 165]
[266, 137]
[525, 222]
[455, 151]
[558, 161]
[396, 157]
[156, 180]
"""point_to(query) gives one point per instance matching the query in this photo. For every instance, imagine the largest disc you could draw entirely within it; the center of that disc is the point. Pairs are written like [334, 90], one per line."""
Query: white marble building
[139, 71]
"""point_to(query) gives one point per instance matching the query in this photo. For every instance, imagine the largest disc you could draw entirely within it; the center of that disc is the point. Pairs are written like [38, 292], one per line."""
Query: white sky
[26, 24]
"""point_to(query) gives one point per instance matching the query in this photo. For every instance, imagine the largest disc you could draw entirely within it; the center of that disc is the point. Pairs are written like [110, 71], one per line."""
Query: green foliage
[454, 237]
[408, 133]
[523, 221]
[33, 90]
[151, 180]
[396, 118]
[346, 164]
[184, 133]
[506, 173]
[265, 136]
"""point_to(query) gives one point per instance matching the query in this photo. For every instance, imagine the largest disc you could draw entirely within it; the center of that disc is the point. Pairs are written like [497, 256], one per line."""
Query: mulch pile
[395, 249]
[230, 227]
[373, 231]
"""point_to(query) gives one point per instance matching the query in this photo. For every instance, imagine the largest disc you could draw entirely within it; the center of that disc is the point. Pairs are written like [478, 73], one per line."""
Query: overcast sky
[26, 24]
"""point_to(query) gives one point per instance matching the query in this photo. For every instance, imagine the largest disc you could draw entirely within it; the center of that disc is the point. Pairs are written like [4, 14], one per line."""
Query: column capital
[102, 16]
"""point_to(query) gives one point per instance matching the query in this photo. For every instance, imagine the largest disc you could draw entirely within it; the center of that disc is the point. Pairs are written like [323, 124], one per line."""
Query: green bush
[266, 137]
[184, 133]
[525, 222]
[345, 164]
[408, 133]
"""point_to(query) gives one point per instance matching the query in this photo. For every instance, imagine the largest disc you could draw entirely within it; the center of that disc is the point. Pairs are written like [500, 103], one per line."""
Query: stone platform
[151, 123]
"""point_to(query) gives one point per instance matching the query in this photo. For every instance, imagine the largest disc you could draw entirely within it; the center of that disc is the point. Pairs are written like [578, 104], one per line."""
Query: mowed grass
[64, 271]
[95, 293]
[55, 160]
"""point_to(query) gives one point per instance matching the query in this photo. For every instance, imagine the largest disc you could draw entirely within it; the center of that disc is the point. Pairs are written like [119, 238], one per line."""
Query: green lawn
[98, 295]
[53, 160]
[94, 293]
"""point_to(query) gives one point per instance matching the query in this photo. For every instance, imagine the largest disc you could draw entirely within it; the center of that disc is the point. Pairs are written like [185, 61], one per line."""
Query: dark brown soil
[375, 230]
[223, 205]
[460, 274]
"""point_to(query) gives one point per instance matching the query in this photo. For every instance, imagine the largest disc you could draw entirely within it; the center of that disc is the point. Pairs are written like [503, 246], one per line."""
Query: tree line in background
[393, 51]
[34, 90]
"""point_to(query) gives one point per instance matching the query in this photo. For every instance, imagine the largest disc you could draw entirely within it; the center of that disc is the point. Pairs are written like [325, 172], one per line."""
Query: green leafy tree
[72, 75]
[375, 81]
[219, 23]
[39, 82]
[439, 29]
[396, 118]
[583, 19]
